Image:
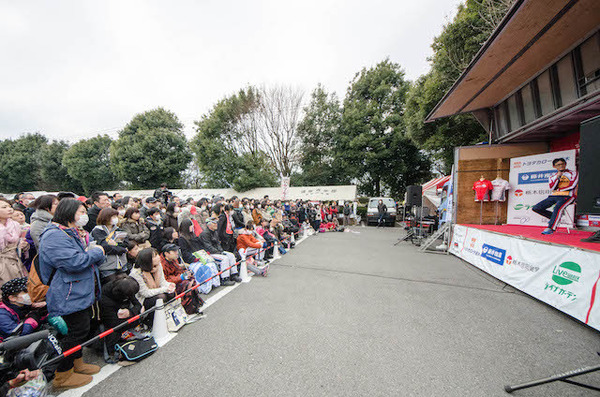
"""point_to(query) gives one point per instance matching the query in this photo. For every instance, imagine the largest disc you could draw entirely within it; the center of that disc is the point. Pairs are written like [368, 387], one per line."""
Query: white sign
[563, 277]
[529, 182]
[285, 187]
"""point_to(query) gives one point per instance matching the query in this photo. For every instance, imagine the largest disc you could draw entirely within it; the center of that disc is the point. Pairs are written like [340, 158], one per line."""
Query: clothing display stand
[481, 213]
[496, 216]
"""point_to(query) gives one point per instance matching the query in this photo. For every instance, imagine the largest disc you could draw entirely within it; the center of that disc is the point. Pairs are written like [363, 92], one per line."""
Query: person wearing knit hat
[16, 307]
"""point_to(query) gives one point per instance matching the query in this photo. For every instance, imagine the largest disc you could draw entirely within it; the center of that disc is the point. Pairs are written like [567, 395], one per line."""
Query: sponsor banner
[588, 221]
[529, 180]
[562, 277]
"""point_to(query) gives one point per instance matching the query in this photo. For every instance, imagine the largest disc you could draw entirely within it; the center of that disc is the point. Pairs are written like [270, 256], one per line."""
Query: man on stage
[563, 184]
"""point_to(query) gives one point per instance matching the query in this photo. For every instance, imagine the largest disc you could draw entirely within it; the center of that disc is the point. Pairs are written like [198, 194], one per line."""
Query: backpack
[137, 349]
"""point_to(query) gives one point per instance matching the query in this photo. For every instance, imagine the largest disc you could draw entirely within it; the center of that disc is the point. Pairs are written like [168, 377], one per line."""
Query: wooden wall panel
[467, 209]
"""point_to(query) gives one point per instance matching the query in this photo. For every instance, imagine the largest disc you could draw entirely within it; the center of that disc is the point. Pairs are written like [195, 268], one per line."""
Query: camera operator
[16, 306]
[163, 194]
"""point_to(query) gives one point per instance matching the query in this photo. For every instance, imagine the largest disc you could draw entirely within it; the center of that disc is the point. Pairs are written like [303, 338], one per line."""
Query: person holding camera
[70, 269]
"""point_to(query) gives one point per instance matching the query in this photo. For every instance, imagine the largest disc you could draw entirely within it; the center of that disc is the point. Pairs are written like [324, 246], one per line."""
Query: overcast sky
[73, 69]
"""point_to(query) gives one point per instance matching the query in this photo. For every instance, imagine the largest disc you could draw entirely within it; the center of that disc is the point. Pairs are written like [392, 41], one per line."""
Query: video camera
[28, 352]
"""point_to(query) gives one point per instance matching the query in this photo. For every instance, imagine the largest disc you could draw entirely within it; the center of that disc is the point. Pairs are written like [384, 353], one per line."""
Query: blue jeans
[560, 203]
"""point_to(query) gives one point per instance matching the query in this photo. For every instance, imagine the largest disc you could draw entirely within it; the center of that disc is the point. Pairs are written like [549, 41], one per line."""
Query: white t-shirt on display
[499, 190]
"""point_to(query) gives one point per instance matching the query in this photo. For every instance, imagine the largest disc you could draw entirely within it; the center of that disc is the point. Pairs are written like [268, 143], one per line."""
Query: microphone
[22, 342]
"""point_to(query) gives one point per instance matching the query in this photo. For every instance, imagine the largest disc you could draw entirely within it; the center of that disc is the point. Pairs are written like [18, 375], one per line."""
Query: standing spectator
[22, 203]
[347, 212]
[135, 227]
[71, 271]
[45, 207]
[10, 243]
[382, 209]
[163, 194]
[107, 234]
[101, 201]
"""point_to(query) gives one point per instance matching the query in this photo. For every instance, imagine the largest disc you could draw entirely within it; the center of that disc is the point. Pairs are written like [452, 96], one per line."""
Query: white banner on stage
[562, 277]
[528, 179]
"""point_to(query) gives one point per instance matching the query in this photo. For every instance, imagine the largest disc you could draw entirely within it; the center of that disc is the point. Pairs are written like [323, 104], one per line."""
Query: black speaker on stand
[414, 195]
[588, 194]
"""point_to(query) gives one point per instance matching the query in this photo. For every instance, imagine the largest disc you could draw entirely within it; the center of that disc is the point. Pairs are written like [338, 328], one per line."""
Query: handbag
[137, 349]
[176, 316]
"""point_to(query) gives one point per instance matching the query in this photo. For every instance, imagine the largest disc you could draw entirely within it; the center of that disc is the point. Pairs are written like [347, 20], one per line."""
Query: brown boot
[86, 369]
[70, 380]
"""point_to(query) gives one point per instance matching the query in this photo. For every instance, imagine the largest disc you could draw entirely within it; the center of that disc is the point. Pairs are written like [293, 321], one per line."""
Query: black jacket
[210, 241]
[382, 208]
[93, 215]
[188, 247]
[156, 233]
[238, 218]
[171, 221]
[109, 306]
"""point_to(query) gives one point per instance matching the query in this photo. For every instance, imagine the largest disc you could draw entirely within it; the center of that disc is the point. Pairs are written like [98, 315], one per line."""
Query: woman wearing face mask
[114, 241]
[16, 307]
[11, 242]
[256, 214]
[155, 225]
[173, 211]
[71, 271]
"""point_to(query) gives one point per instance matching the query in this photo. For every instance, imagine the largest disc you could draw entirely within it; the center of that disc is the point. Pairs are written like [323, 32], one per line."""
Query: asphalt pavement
[349, 314]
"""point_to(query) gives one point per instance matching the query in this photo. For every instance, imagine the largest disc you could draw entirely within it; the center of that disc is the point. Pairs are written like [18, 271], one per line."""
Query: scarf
[9, 233]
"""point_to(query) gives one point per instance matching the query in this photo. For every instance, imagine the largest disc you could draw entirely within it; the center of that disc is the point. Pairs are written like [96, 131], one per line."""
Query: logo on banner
[523, 265]
[517, 164]
[473, 241]
[493, 254]
[518, 192]
[519, 207]
[526, 178]
[566, 273]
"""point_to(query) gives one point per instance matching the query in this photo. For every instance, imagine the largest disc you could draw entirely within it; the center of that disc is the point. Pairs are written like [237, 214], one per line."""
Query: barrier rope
[137, 317]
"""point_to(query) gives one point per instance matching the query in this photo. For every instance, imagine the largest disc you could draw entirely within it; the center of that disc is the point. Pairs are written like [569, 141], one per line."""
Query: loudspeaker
[588, 193]
[414, 195]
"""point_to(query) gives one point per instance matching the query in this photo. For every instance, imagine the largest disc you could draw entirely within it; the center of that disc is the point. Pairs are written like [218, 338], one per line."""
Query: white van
[373, 212]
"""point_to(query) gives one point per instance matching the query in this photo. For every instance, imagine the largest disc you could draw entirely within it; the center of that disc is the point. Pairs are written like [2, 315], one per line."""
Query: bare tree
[276, 123]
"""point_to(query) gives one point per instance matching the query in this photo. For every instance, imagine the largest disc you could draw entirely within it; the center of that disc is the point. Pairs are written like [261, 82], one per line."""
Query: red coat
[172, 270]
[245, 241]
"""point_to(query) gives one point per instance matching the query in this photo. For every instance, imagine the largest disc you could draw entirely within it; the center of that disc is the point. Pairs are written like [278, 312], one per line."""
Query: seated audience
[155, 225]
[178, 274]
[135, 227]
[117, 304]
[171, 214]
[16, 306]
[149, 275]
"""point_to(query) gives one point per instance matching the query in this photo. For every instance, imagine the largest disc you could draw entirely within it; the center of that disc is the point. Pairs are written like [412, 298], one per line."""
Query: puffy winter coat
[76, 280]
[39, 220]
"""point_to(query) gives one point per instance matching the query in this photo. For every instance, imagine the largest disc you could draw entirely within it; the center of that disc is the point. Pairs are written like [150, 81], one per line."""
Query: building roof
[533, 34]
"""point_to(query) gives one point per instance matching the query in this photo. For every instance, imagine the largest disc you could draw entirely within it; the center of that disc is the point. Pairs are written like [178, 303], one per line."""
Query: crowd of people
[79, 265]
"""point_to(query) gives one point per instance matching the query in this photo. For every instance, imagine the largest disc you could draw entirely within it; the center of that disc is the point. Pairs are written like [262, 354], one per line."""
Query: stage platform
[535, 233]
[558, 269]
